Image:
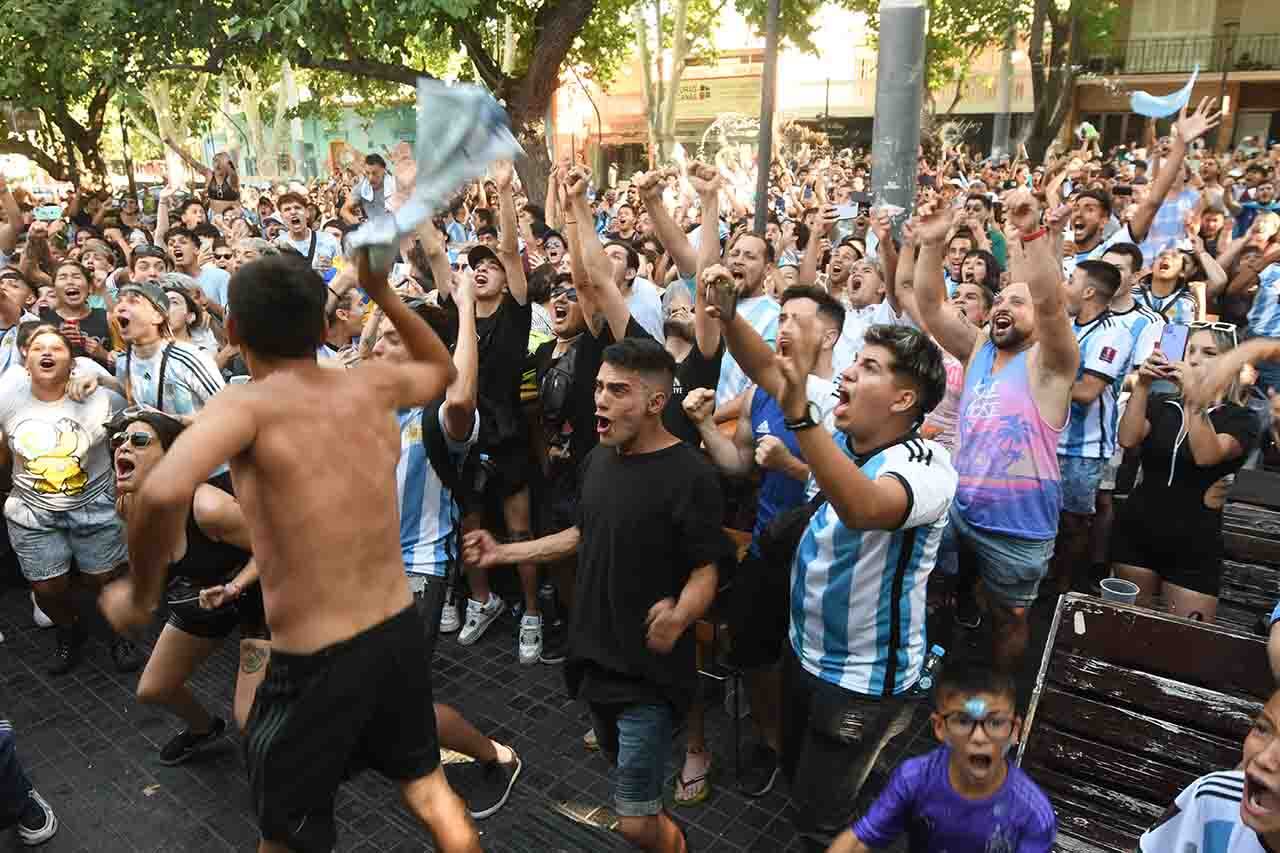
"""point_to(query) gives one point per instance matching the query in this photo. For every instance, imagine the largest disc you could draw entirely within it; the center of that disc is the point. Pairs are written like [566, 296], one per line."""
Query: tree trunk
[556, 26]
[680, 48]
[651, 105]
[1052, 82]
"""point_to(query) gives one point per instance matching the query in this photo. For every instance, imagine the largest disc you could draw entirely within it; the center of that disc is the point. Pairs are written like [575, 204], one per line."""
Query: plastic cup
[1122, 591]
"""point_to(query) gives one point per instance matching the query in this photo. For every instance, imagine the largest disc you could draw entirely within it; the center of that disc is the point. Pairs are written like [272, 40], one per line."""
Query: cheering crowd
[1038, 382]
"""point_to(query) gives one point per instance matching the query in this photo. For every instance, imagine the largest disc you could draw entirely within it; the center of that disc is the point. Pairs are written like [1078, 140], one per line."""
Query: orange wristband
[1035, 235]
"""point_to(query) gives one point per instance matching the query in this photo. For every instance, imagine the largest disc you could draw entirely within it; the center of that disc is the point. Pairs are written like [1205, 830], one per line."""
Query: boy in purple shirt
[964, 796]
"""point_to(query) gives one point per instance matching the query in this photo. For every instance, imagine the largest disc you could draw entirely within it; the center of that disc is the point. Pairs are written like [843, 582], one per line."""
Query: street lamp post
[769, 87]
[1229, 30]
[899, 95]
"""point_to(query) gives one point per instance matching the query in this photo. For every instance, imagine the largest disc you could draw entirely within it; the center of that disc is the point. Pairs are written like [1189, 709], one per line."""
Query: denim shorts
[1080, 480]
[1011, 568]
[46, 541]
[637, 739]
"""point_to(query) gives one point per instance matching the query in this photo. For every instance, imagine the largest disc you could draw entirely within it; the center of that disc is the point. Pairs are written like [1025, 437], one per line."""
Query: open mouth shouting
[1260, 803]
[1001, 322]
[125, 467]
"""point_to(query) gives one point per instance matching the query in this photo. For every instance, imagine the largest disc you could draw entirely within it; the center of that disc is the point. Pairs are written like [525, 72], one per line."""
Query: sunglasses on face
[223, 256]
[570, 293]
[136, 439]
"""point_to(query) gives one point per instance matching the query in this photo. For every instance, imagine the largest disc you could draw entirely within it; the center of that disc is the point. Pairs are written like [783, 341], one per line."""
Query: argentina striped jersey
[428, 513]
[762, 313]
[1264, 316]
[1105, 350]
[858, 596]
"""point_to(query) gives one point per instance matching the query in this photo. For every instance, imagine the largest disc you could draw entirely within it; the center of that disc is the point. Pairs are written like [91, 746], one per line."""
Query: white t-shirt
[1205, 818]
[853, 333]
[327, 247]
[61, 460]
[645, 303]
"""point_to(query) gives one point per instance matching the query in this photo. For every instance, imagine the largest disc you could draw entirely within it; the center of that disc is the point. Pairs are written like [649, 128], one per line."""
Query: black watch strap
[799, 423]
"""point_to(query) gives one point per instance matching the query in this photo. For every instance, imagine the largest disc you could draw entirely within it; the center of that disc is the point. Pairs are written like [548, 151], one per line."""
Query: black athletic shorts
[320, 718]
[186, 614]
[759, 612]
[430, 604]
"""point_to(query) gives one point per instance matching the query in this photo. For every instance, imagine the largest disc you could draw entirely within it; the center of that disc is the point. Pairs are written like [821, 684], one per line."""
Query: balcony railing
[1253, 52]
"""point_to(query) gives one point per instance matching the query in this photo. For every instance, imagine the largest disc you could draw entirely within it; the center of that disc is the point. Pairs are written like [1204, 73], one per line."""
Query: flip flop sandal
[683, 785]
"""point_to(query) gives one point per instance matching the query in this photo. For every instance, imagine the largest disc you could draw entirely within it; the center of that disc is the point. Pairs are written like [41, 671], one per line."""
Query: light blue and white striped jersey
[428, 513]
[1096, 253]
[762, 313]
[1105, 349]
[1264, 316]
[1145, 327]
[853, 333]
[858, 596]
[190, 378]
[1178, 307]
[9, 355]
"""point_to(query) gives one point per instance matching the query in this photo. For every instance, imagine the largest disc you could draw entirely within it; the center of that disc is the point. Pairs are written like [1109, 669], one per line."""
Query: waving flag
[1163, 106]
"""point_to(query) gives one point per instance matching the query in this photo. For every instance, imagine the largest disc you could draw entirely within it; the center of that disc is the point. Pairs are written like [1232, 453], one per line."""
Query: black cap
[481, 252]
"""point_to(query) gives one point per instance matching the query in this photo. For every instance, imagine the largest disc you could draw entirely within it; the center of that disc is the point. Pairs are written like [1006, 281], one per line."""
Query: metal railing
[1252, 52]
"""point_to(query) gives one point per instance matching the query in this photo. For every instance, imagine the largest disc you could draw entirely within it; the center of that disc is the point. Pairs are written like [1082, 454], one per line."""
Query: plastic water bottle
[929, 673]
[548, 604]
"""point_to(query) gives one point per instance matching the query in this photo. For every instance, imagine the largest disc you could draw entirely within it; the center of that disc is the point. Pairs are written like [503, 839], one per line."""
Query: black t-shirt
[504, 345]
[567, 393]
[1165, 415]
[647, 521]
[93, 326]
[696, 371]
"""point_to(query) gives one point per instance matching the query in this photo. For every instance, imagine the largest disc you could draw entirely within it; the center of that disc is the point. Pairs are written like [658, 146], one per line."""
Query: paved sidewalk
[90, 749]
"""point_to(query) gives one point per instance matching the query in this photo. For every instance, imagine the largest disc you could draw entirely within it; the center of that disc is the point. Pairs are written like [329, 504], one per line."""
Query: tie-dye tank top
[1008, 457]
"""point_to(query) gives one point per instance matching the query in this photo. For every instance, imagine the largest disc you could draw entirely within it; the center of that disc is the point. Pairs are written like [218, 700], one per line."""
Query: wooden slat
[1139, 734]
[1086, 821]
[1253, 586]
[1207, 711]
[1067, 843]
[1210, 656]
[1155, 782]
[1124, 811]
[1238, 618]
[1254, 486]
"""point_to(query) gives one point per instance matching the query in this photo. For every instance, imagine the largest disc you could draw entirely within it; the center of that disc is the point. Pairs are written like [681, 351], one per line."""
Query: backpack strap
[433, 438]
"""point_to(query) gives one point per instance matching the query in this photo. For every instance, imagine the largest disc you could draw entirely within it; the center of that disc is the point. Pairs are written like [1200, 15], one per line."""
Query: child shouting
[964, 796]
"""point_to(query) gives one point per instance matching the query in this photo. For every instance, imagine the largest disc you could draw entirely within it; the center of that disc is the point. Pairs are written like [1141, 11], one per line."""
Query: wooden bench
[1251, 535]
[1129, 707]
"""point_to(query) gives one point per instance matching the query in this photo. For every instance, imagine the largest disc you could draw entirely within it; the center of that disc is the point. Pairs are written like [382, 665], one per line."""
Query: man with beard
[648, 540]
[318, 247]
[184, 249]
[1091, 209]
[1018, 381]
[959, 246]
[749, 259]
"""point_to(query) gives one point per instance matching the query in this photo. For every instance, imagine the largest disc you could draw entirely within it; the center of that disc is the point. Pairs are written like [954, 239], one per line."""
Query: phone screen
[1173, 341]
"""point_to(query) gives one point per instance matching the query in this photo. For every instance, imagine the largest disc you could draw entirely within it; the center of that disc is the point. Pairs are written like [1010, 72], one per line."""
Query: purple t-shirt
[920, 801]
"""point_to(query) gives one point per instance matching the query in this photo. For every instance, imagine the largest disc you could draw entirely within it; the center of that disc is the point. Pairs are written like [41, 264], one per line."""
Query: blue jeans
[637, 740]
[14, 786]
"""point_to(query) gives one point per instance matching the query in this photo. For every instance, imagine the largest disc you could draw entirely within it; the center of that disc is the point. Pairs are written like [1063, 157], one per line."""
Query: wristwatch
[812, 417]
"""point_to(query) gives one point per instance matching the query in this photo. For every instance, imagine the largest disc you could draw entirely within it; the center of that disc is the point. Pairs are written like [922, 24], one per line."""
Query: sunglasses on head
[136, 439]
[1217, 327]
[570, 293]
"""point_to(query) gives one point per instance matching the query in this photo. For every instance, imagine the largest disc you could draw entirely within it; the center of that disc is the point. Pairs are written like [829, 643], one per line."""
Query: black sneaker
[187, 743]
[66, 654]
[485, 785]
[37, 823]
[555, 644]
[760, 773]
[125, 655]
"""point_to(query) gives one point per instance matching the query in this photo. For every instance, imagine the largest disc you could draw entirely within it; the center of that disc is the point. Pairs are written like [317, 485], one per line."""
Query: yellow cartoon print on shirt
[52, 454]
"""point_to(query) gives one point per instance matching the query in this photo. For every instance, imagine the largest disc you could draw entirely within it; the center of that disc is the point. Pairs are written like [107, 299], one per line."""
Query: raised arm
[733, 456]
[752, 353]
[195, 164]
[706, 181]
[597, 292]
[1032, 251]
[460, 399]
[13, 218]
[956, 335]
[813, 250]
[1186, 130]
[508, 227]
[431, 371]
[886, 249]
[437, 257]
[162, 214]
[672, 237]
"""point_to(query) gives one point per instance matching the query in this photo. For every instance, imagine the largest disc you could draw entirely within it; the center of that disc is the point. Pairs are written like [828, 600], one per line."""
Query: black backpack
[449, 472]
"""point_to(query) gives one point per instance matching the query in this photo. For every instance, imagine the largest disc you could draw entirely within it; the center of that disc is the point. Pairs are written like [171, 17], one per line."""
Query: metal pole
[1004, 96]
[899, 95]
[128, 161]
[768, 87]
[1228, 48]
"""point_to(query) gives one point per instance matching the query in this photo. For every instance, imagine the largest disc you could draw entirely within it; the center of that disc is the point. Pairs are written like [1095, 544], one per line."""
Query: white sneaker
[41, 620]
[37, 823]
[530, 639]
[450, 621]
[479, 618]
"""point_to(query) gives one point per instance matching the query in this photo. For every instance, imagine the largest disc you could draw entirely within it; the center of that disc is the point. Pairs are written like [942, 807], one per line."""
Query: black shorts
[1181, 544]
[186, 614]
[496, 473]
[759, 612]
[430, 604]
[321, 717]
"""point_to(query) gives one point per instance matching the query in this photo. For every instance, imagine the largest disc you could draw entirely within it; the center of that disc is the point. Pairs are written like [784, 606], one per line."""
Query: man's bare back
[319, 490]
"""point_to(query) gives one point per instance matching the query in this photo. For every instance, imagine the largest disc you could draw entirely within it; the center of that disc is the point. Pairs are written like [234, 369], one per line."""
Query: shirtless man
[348, 687]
